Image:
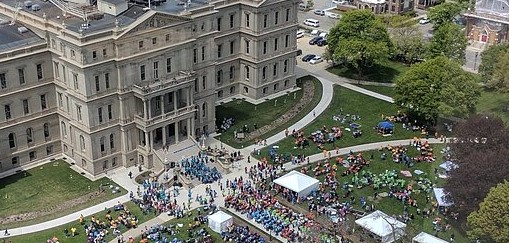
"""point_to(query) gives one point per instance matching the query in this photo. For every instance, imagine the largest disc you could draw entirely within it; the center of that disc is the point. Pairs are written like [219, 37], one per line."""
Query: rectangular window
[167, 38]
[32, 155]
[232, 72]
[264, 47]
[49, 150]
[287, 18]
[7, 110]
[142, 72]
[39, 71]
[110, 113]
[285, 66]
[67, 103]
[156, 69]
[78, 112]
[140, 44]
[204, 82]
[73, 54]
[219, 50]
[57, 70]
[264, 72]
[265, 20]
[195, 55]
[43, 102]
[247, 72]
[274, 70]
[203, 53]
[105, 52]
[196, 85]
[287, 41]
[247, 47]
[154, 40]
[97, 84]
[3, 81]
[94, 54]
[168, 65]
[219, 76]
[100, 114]
[21, 75]
[219, 24]
[232, 20]
[247, 20]
[26, 107]
[276, 18]
[275, 44]
[75, 79]
[232, 47]
[60, 100]
[107, 80]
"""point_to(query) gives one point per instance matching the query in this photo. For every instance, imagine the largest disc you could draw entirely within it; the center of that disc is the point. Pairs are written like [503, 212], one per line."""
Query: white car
[300, 34]
[334, 16]
[315, 60]
[424, 21]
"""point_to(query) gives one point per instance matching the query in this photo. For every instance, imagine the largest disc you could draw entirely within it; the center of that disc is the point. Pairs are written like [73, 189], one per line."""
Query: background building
[110, 84]
[488, 22]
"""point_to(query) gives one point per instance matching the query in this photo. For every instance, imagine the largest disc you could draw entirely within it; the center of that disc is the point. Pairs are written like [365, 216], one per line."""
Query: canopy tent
[299, 183]
[424, 237]
[440, 197]
[448, 165]
[385, 127]
[387, 228]
[219, 221]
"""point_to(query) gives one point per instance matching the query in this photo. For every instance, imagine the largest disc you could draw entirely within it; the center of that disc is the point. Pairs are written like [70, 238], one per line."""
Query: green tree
[407, 44]
[358, 40]
[500, 78]
[444, 13]
[489, 59]
[491, 221]
[450, 41]
[437, 87]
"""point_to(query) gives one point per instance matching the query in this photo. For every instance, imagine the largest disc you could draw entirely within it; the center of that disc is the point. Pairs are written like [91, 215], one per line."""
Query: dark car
[299, 52]
[314, 40]
[322, 42]
[308, 57]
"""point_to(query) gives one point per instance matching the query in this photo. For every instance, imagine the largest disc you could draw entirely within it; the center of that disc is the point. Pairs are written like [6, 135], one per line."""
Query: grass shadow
[385, 72]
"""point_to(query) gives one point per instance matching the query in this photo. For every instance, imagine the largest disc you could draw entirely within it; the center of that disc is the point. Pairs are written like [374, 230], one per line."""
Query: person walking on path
[6, 232]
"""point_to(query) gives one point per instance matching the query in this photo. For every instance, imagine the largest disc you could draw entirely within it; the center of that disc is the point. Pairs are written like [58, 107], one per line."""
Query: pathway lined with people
[120, 176]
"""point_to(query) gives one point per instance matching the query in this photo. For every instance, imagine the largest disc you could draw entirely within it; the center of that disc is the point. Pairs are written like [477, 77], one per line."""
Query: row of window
[32, 155]
[275, 68]
[276, 44]
[21, 76]
[98, 82]
[155, 69]
[266, 18]
[102, 140]
[29, 136]
[109, 112]
[26, 107]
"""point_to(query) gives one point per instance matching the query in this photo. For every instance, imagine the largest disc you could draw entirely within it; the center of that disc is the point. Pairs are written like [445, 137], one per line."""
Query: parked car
[300, 34]
[308, 57]
[319, 12]
[424, 21]
[315, 60]
[315, 39]
[312, 22]
[322, 42]
[299, 52]
[334, 16]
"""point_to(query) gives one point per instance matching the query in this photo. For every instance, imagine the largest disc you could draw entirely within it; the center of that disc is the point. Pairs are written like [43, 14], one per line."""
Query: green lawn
[81, 237]
[368, 108]
[392, 206]
[385, 72]
[387, 91]
[246, 113]
[46, 187]
[494, 103]
[183, 233]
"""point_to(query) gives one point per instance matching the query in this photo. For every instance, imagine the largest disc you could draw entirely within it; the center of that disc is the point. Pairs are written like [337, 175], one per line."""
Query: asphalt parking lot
[303, 44]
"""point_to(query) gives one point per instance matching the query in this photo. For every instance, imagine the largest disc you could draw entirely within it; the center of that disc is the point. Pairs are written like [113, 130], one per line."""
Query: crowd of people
[241, 234]
[196, 167]
[226, 124]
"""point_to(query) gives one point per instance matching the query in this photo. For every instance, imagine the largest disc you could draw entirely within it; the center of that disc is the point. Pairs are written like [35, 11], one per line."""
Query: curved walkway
[120, 176]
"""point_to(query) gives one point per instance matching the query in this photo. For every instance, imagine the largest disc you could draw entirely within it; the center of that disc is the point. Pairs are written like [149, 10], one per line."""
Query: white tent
[440, 197]
[387, 228]
[424, 237]
[220, 221]
[300, 183]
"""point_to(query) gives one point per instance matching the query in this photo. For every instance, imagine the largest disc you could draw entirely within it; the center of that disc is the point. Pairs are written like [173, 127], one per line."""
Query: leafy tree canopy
[491, 221]
[407, 44]
[437, 87]
[444, 13]
[489, 59]
[500, 78]
[450, 41]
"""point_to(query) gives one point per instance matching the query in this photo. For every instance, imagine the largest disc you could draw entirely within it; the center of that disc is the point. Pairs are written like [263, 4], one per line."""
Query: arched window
[204, 110]
[246, 68]
[232, 89]
[101, 141]
[29, 135]
[46, 130]
[112, 141]
[82, 143]
[232, 72]
[12, 140]
[64, 129]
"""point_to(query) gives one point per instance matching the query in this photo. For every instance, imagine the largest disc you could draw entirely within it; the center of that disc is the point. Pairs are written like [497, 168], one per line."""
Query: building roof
[493, 7]
[115, 2]
[11, 38]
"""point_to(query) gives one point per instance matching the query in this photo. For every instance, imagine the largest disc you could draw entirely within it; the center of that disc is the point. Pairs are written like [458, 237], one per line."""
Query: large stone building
[108, 84]
[488, 22]
[385, 6]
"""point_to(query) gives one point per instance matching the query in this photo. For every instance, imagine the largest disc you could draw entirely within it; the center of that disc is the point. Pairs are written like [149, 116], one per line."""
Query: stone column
[149, 108]
[164, 135]
[175, 100]
[189, 128]
[188, 96]
[147, 139]
[162, 105]
[176, 132]
[151, 143]
[145, 109]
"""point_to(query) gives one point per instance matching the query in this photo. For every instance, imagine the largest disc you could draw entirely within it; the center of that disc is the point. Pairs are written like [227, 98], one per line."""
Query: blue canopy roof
[385, 125]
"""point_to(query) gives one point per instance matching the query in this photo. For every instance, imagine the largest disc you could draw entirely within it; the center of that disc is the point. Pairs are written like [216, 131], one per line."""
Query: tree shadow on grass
[385, 72]
[20, 174]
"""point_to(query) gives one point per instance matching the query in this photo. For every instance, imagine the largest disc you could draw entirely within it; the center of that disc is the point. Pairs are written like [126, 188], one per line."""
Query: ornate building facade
[488, 22]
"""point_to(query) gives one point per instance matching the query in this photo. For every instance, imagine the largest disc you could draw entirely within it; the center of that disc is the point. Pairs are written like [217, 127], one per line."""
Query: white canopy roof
[298, 182]
[424, 237]
[440, 197]
[220, 221]
[386, 227]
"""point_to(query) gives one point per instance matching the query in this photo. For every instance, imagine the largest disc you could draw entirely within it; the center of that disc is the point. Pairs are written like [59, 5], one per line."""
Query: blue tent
[385, 125]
